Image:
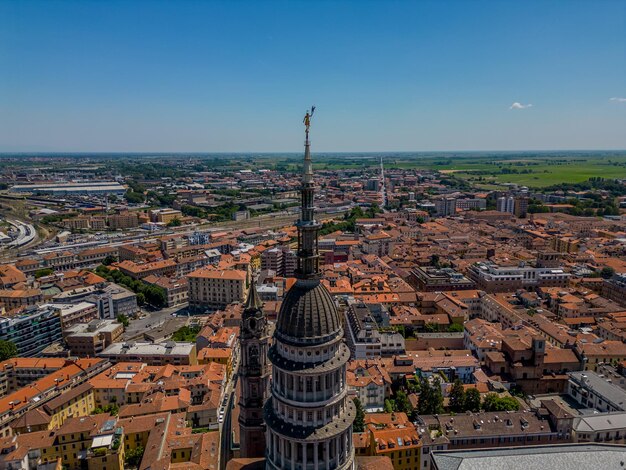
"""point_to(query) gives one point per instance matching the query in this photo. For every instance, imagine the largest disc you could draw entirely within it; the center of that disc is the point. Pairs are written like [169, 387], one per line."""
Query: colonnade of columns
[308, 388]
[330, 454]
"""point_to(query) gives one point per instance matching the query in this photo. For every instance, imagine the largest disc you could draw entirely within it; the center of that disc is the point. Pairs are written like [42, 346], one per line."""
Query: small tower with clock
[254, 373]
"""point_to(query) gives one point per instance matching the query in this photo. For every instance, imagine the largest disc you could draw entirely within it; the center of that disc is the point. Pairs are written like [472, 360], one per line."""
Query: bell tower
[254, 373]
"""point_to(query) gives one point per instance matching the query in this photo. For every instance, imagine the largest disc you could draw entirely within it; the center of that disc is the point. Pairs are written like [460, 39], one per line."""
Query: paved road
[226, 425]
[151, 321]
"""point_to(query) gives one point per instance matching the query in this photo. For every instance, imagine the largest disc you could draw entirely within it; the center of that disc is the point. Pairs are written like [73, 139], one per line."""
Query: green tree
[493, 402]
[174, 222]
[437, 397]
[135, 186]
[413, 385]
[423, 406]
[109, 260]
[134, 197]
[359, 421]
[472, 400]
[388, 406]
[186, 333]
[155, 296]
[490, 402]
[43, 272]
[151, 294]
[133, 457]
[402, 403]
[123, 319]
[455, 328]
[373, 210]
[7, 350]
[434, 260]
[431, 398]
[112, 409]
[607, 272]
[457, 397]
[401, 329]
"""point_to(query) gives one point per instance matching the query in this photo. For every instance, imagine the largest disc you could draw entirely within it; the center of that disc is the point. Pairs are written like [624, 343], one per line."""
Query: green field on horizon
[526, 171]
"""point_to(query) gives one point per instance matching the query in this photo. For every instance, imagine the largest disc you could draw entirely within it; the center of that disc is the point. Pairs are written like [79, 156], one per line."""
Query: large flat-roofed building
[74, 313]
[90, 339]
[83, 187]
[445, 206]
[471, 204]
[553, 457]
[592, 391]
[170, 352]
[165, 216]
[115, 300]
[363, 337]
[211, 289]
[491, 277]
[123, 220]
[32, 331]
[430, 279]
[112, 300]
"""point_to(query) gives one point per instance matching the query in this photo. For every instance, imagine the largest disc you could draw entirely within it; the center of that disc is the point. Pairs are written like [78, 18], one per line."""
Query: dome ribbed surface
[307, 313]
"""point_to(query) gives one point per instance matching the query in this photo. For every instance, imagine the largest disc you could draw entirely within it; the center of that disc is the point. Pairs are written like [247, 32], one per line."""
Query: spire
[307, 225]
[307, 173]
[253, 302]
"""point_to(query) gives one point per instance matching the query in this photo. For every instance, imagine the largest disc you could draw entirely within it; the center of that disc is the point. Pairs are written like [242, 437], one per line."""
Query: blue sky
[238, 76]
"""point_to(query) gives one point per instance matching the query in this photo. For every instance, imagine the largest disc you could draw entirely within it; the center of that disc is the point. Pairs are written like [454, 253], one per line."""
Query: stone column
[281, 450]
[327, 456]
[274, 448]
[293, 455]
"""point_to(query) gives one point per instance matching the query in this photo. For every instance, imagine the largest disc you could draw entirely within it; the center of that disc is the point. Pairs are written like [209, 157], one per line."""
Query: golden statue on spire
[307, 119]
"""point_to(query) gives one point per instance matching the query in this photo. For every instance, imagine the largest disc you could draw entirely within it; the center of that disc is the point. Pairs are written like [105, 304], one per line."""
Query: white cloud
[619, 100]
[518, 105]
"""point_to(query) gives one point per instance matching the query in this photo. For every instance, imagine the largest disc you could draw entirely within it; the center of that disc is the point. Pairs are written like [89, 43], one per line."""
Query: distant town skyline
[385, 76]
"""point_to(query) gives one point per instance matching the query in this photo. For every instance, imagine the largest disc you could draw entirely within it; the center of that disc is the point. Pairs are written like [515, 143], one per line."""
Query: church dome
[308, 314]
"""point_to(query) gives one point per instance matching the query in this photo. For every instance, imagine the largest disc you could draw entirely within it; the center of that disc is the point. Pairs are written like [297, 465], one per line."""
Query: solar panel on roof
[108, 425]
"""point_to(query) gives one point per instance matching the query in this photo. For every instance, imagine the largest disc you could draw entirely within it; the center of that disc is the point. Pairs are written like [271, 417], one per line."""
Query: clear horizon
[237, 77]
[157, 153]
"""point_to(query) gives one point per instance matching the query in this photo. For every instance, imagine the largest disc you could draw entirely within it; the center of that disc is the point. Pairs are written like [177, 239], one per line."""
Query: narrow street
[226, 424]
